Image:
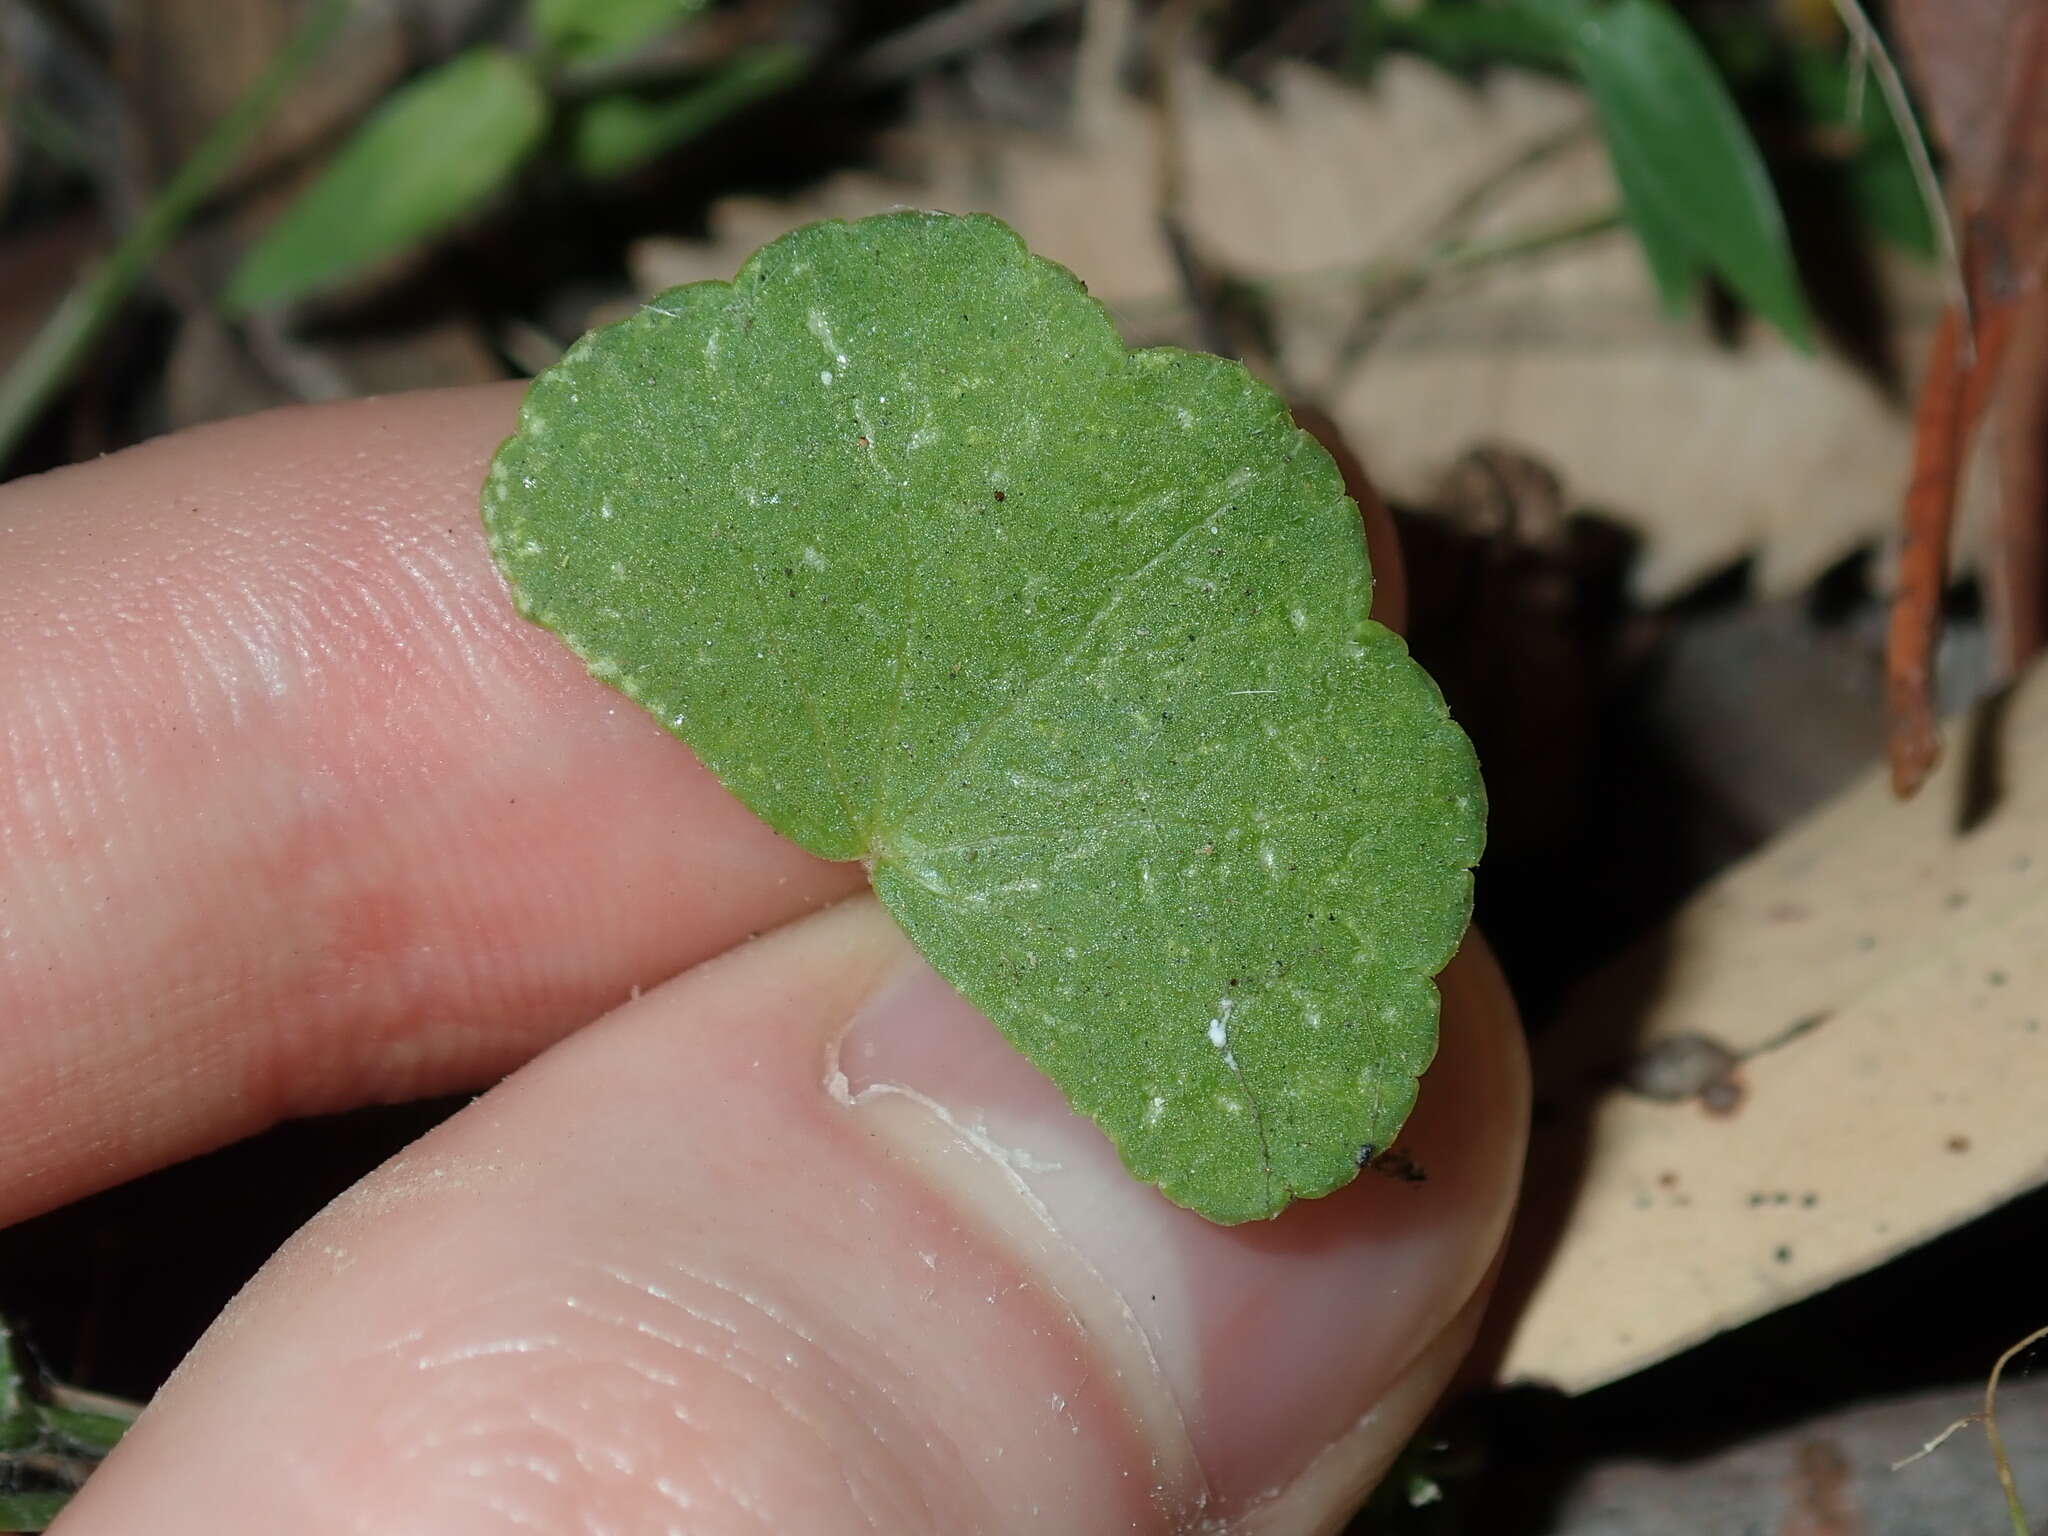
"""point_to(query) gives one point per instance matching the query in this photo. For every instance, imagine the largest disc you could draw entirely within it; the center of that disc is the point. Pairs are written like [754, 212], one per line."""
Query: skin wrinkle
[739, 1353]
[1087, 1337]
[819, 1224]
[282, 678]
[847, 1396]
[572, 1435]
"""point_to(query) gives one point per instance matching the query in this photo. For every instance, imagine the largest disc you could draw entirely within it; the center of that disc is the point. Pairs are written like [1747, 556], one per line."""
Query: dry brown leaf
[1983, 70]
[184, 64]
[1709, 453]
[213, 373]
[1978, 63]
[1881, 972]
[36, 268]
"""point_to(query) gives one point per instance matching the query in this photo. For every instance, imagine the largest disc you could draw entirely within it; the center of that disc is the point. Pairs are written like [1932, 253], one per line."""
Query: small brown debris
[1724, 1097]
[1681, 1067]
[1818, 1502]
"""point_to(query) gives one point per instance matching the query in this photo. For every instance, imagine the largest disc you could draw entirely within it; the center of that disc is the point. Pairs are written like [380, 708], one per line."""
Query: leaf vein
[1123, 585]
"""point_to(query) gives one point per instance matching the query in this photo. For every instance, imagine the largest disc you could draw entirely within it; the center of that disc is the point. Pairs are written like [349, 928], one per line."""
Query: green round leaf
[1069, 643]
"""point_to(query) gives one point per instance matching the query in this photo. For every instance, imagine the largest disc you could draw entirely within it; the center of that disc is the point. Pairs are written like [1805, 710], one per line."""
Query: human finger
[296, 813]
[798, 1243]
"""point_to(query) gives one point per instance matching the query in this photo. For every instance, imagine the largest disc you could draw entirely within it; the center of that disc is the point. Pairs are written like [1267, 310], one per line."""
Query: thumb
[797, 1243]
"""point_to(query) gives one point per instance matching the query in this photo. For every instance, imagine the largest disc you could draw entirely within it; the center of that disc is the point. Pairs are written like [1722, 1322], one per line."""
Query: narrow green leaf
[42, 1442]
[1671, 261]
[1689, 167]
[1890, 201]
[1467, 37]
[426, 159]
[580, 30]
[1068, 643]
[21, 1424]
[615, 133]
[78, 1433]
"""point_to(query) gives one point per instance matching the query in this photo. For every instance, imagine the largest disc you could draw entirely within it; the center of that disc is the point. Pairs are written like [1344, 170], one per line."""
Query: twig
[1988, 1417]
[948, 33]
[1390, 282]
[1098, 65]
[49, 360]
[2012, 1493]
[1455, 257]
[2019, 557]
[1872, 54]
[1938, 1441]
[1958, 383]
[1449, 259]
[1213, 295]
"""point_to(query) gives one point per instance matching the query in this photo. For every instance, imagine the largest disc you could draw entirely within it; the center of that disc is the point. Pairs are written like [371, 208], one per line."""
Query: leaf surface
[1069, 643]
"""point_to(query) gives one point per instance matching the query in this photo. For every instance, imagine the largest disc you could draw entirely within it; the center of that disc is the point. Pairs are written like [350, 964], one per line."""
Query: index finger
[295, 811]
[297, 814]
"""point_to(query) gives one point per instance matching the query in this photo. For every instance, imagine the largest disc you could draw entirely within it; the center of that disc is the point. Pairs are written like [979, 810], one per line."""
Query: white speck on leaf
[1219, 1030]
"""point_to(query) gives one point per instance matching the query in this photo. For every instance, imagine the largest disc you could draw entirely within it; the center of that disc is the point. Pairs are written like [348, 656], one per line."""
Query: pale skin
[296, 814]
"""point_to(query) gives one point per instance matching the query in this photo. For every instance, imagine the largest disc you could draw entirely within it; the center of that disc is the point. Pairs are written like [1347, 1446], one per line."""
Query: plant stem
[49, 360]
[1391, 285]
[1469, 255]
[1410, 274]
[1871, 50]
[2013, 1508]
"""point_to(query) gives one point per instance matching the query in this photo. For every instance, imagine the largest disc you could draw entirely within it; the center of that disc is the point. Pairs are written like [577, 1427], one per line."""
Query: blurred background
[1643, 316]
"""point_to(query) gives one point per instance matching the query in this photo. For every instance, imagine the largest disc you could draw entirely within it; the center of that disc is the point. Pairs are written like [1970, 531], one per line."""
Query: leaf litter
[1707, 452]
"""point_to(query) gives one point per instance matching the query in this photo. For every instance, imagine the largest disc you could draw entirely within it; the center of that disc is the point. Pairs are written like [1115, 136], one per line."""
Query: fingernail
[1247, 1350]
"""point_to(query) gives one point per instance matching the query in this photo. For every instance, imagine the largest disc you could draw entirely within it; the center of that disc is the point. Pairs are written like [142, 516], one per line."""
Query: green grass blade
[425, 159]
[48, 361]
[616, 133]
